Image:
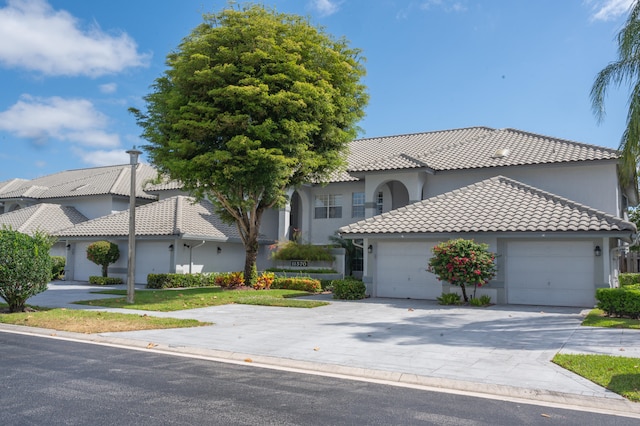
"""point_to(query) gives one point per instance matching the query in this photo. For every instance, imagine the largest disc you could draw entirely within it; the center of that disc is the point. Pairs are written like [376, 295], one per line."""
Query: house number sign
[299, 263]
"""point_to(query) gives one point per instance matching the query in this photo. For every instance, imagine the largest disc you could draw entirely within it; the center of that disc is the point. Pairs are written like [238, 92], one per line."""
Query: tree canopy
[626, 69]
[253, 102]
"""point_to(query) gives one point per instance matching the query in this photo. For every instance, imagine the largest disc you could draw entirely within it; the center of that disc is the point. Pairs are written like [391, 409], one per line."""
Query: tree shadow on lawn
[500, 327]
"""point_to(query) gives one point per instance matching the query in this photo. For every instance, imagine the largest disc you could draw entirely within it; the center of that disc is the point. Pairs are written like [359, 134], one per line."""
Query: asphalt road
[57, 382]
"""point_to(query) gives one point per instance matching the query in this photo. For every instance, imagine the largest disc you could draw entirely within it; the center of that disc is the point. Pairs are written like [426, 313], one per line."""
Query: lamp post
[133, 160]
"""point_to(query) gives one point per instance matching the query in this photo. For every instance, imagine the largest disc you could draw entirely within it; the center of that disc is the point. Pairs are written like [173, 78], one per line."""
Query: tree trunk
[464, 293]
[104, 269]
[251, 254]
[16, 306]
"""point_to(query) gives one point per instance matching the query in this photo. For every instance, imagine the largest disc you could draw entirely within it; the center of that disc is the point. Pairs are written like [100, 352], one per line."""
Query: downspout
[191, 254]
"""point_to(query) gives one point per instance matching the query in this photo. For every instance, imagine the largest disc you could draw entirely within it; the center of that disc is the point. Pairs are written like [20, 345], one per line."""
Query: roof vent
[501, 153]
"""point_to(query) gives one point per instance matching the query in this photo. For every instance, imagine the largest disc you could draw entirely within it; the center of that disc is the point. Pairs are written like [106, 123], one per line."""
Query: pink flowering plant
[463, 262]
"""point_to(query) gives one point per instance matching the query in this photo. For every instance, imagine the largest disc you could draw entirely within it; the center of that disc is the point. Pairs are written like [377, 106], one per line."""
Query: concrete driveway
[503, 350]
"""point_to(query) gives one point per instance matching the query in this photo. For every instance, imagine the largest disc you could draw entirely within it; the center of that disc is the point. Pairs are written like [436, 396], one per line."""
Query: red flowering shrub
[463, 262]
[264, 281]
[230, 280]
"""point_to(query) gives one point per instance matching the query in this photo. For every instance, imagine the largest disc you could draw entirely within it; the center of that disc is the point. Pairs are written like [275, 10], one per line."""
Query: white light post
[133, 157]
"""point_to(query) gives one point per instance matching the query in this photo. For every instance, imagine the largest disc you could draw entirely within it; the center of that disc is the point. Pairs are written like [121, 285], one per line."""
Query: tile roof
[466, 149]
[44, 217]
[114, 180]
[177, 216]
[498, 204]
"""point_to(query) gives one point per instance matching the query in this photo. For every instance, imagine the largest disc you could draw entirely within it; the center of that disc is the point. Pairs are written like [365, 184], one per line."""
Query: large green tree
[626, 69]
[253, 102]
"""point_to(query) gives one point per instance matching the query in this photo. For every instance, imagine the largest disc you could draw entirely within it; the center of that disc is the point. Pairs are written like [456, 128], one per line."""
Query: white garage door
[151, 258]
[401, 271]
[554, 273]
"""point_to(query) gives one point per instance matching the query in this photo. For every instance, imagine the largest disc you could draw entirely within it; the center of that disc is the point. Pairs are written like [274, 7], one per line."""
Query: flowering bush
[463, 262]
[264, 281]
[230, 280]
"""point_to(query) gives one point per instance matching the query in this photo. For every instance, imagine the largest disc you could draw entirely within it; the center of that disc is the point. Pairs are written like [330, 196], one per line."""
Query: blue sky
[69, 69]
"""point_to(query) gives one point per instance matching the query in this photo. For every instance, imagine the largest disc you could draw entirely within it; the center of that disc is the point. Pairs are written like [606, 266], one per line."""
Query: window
[357, 204]
[379, 202]
[328, 206]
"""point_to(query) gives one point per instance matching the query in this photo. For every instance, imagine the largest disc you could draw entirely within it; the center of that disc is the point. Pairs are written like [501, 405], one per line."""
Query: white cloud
[38, 38]
[72, 120]
[608, 10]
[325, 7]
[446, 5]
[108, 88]
[99, 158]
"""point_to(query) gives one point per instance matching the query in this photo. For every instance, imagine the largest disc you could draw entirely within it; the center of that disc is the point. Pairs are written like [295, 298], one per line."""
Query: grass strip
[80, 321]
[618, 374]
[175, 300]
[597, 318]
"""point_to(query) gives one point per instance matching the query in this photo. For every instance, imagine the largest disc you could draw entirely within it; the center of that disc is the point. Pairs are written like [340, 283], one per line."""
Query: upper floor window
[379, 202]
[357, 204]
[328, 206]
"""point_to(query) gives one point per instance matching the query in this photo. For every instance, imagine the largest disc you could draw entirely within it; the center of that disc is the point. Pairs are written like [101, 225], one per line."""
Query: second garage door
[402, 271]
[555, 273]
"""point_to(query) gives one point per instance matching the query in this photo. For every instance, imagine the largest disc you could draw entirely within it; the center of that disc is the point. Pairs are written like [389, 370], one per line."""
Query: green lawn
[618, 374]
[176, 300]
[597, 318]
[81, 321]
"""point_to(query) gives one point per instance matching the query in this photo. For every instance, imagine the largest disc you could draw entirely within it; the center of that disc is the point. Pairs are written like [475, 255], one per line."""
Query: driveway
[506, 349]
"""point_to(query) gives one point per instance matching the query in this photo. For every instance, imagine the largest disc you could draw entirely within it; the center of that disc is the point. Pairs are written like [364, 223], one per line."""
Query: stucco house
[552, 209]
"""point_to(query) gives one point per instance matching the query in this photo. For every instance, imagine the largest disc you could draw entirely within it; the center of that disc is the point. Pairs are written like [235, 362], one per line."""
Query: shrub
[229, 279]
[483, 300]
[628, 279]
[302, 284]
[25, 266]
[463, 262]
[103, 253]
[619, 302]
[449, 299]
[349, 289]
[96, 280]
[264, 281]
[57, 267]
[159, 281]
[292, 250]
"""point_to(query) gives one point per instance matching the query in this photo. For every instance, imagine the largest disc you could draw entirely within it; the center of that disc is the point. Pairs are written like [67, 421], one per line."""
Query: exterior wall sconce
[597, 251]
[187, 245]
[171, 247]
[68, 247]
[219, 250]
[370, 249]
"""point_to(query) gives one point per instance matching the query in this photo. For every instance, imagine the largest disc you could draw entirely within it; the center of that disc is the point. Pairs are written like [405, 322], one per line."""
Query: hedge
[303, 284]
[94, 279]
[159, 281]
[628, 279]
[349, 289]
[619, 302]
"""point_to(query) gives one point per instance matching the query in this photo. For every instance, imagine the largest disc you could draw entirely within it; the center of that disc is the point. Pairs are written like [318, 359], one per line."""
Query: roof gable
[175, 216]
[45, 217]
[498, 204]
[113, 180]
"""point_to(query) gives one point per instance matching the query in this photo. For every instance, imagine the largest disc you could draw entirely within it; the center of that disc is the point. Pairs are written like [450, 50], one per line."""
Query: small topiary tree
[463, 262]
[103, 253]
[25, 266]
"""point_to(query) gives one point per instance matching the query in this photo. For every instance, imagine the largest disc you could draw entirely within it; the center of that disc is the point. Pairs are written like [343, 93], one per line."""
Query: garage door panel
[550, 273]
[401, 271]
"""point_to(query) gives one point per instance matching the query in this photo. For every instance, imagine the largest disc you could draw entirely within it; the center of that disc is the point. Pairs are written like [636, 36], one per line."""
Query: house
[552, 209]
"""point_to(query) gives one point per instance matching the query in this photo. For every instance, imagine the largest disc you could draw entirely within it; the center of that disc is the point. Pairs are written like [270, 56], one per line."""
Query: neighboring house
[552, 209]
[173, 235]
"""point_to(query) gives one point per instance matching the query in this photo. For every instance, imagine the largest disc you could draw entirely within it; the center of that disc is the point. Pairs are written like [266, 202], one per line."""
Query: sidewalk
[500, 350]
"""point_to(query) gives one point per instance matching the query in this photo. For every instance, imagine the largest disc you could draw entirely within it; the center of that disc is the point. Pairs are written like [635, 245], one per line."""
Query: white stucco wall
[319, 230]
[591, 183]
